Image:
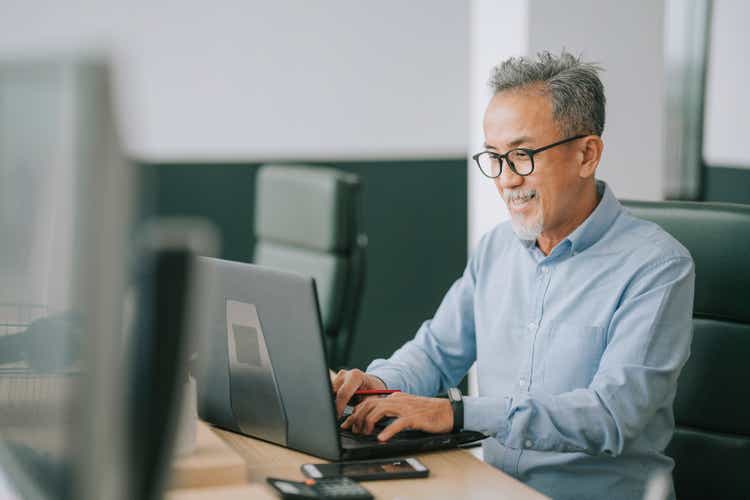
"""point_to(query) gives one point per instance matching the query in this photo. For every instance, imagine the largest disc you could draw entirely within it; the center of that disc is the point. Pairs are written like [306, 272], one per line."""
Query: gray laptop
[262, 369]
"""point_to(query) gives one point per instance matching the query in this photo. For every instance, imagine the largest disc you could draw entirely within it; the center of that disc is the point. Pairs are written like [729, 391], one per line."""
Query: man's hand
[413, 412]
[346, 382]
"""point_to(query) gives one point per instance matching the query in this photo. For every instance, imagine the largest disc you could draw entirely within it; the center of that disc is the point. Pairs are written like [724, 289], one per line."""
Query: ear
[591, 153]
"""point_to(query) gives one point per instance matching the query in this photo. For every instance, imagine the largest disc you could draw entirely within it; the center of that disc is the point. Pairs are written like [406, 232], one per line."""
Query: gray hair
[574, 87]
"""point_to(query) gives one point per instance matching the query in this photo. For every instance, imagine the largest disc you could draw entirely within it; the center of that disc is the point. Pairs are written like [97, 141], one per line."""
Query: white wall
[498, 30]
[289, 79]
[627, 38]
[727, 114]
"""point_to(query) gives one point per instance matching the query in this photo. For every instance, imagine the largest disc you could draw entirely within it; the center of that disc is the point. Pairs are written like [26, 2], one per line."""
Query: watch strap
[457, 403]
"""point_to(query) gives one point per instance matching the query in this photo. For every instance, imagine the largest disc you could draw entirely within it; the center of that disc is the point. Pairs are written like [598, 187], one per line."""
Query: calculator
[338, 488]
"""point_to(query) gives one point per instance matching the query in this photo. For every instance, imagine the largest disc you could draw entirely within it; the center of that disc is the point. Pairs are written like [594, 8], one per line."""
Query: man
[577, 313]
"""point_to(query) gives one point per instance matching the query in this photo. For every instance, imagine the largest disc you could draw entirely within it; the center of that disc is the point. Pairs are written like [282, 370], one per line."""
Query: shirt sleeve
[444, 347]
[648, 343]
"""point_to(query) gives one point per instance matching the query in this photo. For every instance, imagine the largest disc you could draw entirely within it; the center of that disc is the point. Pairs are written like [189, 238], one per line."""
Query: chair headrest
[718, 237]
[306, 206]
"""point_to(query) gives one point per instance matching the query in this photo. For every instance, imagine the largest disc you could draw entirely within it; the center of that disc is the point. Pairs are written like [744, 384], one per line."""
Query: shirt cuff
[390, 377]
[487, 415]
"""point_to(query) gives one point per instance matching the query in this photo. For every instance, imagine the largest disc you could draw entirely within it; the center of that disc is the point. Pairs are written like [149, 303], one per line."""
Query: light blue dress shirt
[578, 352]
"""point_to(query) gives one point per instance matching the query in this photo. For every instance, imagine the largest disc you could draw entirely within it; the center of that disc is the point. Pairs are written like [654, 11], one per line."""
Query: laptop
[262, 370]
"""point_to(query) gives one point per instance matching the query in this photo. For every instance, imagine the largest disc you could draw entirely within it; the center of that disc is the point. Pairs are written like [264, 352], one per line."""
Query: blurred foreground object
[85, 411]
[65, 202]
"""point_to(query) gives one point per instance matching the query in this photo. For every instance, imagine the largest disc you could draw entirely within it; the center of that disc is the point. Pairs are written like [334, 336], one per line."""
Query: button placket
[523, 383]
[533, 327]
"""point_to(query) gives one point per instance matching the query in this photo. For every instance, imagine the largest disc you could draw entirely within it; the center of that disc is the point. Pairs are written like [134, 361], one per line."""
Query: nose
[508, 179]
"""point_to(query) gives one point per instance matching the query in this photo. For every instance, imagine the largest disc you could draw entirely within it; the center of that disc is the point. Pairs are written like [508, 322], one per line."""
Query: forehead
[515, 114]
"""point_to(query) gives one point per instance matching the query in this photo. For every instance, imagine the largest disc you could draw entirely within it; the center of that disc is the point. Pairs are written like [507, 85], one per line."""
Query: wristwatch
[457, 403]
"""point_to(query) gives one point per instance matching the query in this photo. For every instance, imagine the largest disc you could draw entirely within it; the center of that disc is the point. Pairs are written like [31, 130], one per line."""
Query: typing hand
[412, 412]
[346, 382]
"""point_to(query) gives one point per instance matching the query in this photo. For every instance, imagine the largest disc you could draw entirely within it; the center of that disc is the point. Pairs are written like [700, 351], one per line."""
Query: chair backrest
[711, 445]
[307, 220]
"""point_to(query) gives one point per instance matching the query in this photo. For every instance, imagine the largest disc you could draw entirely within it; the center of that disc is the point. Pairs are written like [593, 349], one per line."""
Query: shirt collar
[595, 225]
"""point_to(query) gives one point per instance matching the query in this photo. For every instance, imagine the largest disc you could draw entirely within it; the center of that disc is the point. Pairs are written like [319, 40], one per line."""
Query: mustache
[515, 194]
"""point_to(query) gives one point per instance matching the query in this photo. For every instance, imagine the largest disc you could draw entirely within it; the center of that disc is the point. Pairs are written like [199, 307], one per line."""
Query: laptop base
[360, 447]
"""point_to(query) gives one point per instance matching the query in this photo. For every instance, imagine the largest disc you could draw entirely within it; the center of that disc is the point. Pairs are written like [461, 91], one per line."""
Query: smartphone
[368, 470]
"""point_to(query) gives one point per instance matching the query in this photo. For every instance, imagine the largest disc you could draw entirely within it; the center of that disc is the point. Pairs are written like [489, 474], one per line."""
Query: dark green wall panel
[727, 184]
[414, 215]
[222, 193]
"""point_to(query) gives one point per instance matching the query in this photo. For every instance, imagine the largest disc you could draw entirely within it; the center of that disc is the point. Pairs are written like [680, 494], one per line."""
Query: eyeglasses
[520, 160]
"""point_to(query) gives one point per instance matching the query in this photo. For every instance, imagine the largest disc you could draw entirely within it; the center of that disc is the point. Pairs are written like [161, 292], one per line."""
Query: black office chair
[308, 220]
[711, 444]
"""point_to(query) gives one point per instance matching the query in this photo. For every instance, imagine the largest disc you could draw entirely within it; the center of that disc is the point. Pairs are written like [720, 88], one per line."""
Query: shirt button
[545, 269]
[528, 443]
[522, 382]
[531, 325]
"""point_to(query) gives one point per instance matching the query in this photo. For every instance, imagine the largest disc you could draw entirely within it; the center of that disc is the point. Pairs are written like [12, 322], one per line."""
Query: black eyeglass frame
[529, 152]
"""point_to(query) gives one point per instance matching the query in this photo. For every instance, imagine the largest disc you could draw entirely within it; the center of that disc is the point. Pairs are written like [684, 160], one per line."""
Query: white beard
[526, 228]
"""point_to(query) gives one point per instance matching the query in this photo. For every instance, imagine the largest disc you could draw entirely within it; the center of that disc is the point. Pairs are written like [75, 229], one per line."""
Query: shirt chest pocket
[571, 356]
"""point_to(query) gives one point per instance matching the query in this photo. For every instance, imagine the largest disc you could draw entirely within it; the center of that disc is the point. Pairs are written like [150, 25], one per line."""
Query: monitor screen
[63, 223]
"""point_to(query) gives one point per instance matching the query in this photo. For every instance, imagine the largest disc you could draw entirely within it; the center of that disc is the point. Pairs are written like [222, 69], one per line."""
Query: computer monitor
[87, 406]
[65, 198]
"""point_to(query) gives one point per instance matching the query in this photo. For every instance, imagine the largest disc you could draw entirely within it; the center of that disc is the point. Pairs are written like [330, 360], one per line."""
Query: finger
[345, 393]
[359, 415]
[346, 424]
[381, 409]
[397, 426]
[375, 416]
[337, 379]
[349, 420]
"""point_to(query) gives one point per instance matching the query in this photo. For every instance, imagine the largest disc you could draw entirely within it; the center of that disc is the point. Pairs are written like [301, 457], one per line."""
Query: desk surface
[453, 474]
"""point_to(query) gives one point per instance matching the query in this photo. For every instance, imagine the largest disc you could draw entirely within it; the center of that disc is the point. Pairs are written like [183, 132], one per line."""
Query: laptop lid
[263, 370]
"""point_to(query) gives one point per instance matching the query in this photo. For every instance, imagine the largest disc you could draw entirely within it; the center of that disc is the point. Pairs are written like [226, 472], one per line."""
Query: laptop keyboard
[373, 438]
[360, 438]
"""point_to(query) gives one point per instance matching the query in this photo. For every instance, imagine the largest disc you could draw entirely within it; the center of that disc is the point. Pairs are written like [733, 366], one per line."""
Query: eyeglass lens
[491, 164]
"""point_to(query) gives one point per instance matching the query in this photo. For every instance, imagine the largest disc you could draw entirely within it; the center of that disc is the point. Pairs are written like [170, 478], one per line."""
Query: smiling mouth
[520, 202]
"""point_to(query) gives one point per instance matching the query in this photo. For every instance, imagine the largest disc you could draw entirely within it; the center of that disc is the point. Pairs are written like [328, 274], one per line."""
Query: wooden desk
[454, 474]
[212, 463]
